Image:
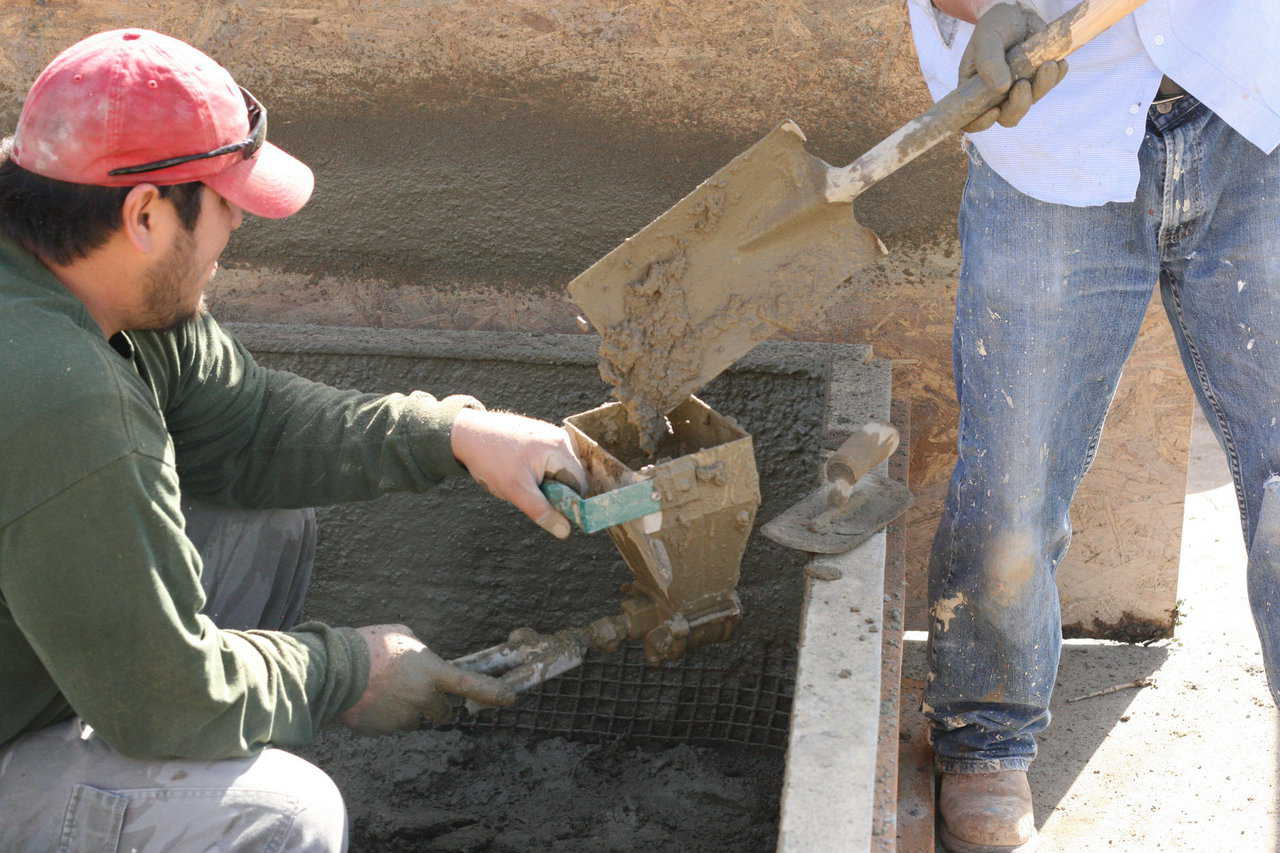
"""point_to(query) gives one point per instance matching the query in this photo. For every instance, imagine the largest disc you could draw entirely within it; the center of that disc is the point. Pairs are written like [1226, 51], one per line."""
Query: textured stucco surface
[542, 108]
[463, 568]
[472, 157]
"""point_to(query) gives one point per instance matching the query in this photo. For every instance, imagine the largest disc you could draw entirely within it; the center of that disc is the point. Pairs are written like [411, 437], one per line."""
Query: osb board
[1121, 574]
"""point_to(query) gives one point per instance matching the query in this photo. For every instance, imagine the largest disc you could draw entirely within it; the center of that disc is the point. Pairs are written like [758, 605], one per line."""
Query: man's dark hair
[60, 221]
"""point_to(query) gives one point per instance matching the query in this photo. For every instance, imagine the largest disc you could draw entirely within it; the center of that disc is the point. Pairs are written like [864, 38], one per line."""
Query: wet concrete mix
[506, 792]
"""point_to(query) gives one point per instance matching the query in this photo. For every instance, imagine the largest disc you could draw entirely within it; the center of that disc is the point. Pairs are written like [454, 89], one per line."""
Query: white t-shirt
[1079, 145]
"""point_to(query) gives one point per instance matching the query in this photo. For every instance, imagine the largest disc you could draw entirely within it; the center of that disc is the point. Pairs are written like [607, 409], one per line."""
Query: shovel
[763, 244]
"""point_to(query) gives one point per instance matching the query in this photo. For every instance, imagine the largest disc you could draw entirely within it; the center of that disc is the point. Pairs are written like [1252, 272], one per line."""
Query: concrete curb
[780, 357]
[828, 794]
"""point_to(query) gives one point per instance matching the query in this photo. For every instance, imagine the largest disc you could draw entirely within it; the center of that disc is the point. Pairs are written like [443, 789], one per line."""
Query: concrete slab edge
[828, 794]
[781, 357]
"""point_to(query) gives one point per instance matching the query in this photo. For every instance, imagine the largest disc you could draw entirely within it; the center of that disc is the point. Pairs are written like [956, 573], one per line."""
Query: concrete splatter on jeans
[1050, 303]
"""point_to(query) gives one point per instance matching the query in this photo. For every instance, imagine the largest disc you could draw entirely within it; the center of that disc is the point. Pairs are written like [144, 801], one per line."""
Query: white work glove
[1000, 26]
[510, 455]
[408, 681]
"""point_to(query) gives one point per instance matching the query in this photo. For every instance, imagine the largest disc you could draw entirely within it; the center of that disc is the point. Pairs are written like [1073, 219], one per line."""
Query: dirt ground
[501, 792]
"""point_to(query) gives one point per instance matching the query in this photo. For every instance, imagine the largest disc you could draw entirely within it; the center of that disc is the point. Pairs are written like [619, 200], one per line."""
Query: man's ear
[140, 218]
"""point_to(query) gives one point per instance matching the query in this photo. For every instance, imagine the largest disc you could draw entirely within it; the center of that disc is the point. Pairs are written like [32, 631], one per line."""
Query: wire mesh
[718, 694]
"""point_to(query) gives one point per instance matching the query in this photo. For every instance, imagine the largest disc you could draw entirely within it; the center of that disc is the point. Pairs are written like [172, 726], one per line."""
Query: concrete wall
[473, 157]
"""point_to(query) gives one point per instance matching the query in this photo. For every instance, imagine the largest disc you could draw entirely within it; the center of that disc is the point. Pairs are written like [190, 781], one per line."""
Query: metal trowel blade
[874, 502]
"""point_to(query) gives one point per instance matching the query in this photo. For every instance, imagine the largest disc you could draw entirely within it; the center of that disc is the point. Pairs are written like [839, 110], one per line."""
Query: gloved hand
[510, 455]
[999, 28]
[407, 680]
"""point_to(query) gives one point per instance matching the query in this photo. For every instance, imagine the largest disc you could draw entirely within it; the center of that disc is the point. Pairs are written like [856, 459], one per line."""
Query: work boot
[987, 813]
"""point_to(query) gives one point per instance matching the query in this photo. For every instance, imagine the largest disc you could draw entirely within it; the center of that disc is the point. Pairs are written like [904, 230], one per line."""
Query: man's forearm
[966, 10]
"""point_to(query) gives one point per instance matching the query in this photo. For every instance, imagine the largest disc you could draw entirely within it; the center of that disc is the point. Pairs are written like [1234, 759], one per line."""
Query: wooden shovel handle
[973, 98]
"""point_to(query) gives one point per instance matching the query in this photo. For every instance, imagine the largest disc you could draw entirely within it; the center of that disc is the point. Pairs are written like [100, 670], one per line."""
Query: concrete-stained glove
[999, 28]
[510, 455]
[408, 681]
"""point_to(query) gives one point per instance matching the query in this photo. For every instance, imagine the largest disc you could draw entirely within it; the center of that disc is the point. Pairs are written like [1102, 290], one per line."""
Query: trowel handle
[870, 444]
[972, 99]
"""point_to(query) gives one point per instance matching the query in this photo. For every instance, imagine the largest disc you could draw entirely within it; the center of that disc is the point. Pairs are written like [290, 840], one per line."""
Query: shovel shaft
[973, 98]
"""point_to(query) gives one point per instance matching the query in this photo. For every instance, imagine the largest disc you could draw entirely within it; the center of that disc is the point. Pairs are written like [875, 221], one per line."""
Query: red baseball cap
[128, 98]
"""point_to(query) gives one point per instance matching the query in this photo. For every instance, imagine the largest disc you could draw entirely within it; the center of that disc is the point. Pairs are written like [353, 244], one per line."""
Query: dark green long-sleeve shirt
[100, 592]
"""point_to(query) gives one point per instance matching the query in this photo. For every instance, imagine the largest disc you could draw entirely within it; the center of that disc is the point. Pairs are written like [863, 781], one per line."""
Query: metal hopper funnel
[686, 561]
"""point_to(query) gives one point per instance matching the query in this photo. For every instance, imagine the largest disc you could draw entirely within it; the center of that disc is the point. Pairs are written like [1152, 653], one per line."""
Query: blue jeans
[1050, 303]
[63, 787]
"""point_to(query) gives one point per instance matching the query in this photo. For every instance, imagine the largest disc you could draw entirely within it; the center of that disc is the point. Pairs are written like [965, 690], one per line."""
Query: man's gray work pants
[62, 788]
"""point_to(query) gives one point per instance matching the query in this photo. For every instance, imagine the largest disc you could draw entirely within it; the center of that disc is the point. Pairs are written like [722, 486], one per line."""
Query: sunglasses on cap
[247, 146]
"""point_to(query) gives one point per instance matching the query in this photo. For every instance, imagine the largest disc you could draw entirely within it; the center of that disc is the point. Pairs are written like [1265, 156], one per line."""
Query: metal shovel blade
[698, 287]
[811, 526]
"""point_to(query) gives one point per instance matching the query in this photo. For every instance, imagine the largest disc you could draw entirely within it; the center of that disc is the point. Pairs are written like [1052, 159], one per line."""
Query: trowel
[854, 503]
[764, 243]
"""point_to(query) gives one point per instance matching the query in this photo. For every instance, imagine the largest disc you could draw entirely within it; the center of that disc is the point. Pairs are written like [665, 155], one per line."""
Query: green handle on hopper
[613, 507]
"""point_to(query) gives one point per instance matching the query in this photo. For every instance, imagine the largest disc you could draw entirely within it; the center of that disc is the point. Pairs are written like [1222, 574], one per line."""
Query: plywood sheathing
[472, 157]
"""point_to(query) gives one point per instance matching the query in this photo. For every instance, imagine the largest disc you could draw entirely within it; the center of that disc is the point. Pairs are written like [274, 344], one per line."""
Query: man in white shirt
[1154, 160]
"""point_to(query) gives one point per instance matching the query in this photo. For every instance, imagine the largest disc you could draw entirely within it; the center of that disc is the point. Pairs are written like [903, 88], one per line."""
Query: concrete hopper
[686, 558]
